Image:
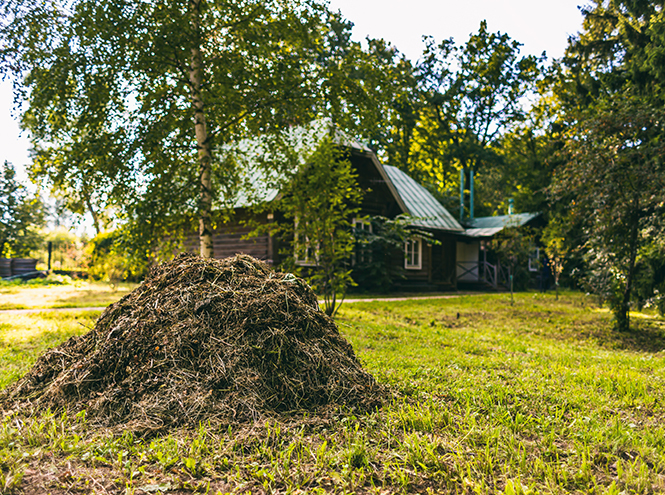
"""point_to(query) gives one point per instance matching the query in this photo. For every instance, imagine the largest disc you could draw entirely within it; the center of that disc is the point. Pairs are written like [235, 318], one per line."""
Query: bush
[108, 261]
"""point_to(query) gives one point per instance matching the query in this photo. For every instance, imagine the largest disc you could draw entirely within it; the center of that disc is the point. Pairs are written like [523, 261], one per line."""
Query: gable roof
[420, 203]
[411, 198]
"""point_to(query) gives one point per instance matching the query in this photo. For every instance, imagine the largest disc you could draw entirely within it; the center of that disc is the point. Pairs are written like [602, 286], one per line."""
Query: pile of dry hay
[199, 340]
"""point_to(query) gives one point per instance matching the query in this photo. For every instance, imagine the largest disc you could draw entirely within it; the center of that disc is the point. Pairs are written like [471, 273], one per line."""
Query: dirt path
[405, 298]
[42, 310]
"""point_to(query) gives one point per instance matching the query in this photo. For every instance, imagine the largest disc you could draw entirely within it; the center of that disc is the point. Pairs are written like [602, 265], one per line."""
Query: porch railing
[483, 272]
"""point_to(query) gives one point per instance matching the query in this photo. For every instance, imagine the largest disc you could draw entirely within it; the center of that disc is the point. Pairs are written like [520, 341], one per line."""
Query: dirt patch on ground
[201, 340]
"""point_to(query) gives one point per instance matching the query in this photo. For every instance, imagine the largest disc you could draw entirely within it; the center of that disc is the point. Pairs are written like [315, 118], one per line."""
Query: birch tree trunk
[93, 213]
[203, 146]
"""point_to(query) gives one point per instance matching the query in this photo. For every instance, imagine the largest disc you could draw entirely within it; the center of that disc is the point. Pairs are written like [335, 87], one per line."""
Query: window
[534, 260]
[363, 225]
[413, 254]
[362, 254]
[304, 253]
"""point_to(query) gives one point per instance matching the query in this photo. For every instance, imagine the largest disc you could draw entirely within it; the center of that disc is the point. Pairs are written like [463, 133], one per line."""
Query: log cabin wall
[437, 270]
[230, 239]
[377, 199]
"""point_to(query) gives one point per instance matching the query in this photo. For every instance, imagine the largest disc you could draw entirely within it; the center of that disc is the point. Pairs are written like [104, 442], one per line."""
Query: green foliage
[318, 203]
[619, 49]
[109, 261]
[21, 216]
[474, 94]
[528, 158]
[116, 92]
[614, 181]
[612, 96]
[130, 104]
[371, 93]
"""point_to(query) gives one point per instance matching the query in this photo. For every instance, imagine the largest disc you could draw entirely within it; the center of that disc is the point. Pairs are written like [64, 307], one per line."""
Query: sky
[540, 25]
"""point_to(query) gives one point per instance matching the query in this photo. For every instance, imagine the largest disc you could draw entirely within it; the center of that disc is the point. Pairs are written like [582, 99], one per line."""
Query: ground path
[42, 310]
[347, 301]
[406, 298]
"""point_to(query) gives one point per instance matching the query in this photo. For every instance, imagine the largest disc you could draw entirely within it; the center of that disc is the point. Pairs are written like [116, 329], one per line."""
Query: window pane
[416, 252]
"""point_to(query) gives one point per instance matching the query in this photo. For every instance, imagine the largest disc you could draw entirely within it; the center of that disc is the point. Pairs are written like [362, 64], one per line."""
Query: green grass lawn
[537, 397]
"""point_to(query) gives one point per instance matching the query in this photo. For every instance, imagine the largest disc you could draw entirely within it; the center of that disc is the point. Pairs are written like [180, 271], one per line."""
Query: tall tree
[611, 96]
[614, 181]
[619, 49]
[128, 101]
[474, 94]
[21, 213]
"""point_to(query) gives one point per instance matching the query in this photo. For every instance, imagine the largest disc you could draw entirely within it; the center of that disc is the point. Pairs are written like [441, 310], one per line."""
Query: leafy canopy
[124, 97]
[612, 182]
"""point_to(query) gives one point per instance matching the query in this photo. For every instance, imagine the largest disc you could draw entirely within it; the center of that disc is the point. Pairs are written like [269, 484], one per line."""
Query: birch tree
[127, 101]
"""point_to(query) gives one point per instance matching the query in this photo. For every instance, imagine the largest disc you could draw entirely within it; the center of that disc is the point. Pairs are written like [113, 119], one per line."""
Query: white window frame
[411, 246]
[361, 255]
[534, 266]
[307, 259]
[363, 223]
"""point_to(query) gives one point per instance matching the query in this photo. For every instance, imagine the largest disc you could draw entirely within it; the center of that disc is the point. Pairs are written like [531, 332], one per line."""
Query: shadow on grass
[644, 336]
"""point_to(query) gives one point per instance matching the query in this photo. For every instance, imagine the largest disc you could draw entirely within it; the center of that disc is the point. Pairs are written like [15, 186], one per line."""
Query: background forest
[138, 112]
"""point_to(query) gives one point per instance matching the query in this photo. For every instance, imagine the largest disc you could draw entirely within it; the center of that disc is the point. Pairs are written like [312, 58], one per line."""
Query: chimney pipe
[461, 194]
[471, 194]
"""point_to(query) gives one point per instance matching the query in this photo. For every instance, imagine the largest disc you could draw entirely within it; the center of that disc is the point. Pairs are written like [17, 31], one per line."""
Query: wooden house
[390, 192]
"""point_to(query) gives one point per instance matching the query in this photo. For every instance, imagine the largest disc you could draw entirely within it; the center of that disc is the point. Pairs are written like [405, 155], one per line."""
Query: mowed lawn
[536, 397]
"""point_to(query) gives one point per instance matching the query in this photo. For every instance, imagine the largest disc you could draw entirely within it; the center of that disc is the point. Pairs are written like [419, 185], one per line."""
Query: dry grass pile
[199, 340]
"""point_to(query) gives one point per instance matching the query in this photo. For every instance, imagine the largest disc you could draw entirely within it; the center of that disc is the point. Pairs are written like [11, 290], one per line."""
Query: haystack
[201, 340]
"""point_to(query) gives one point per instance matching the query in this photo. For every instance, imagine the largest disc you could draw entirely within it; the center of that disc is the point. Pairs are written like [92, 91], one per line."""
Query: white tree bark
[203, 146]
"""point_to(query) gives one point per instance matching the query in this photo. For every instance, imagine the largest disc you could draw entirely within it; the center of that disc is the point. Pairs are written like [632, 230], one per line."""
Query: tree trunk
[203, 146]
[95, 218]
[621, 313]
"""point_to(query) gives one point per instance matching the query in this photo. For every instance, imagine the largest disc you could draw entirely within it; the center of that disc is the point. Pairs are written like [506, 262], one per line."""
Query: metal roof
[499, 222]
[489, 232]
[256, 186]
[421, 204]
[259, 186]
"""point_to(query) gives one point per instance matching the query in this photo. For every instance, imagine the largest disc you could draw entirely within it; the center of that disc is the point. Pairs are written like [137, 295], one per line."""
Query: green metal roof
[482, 232]
[421, 204]
[500, 222]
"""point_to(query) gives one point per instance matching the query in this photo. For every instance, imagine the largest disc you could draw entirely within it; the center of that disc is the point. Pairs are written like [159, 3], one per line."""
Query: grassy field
[537, 397]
